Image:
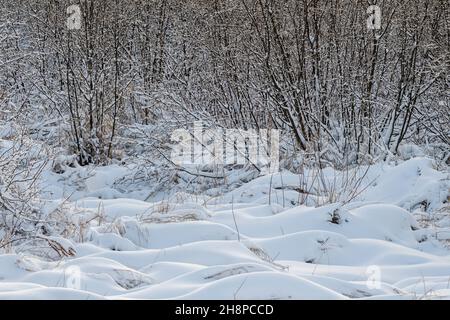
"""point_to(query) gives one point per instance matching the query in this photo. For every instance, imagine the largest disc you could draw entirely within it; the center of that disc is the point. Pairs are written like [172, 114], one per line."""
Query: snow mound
[254, 242]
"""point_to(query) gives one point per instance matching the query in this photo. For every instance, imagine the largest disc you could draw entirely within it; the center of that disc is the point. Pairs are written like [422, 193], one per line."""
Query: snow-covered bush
[23, 224]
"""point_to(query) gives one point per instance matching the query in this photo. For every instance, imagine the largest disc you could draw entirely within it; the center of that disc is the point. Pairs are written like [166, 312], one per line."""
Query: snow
[262, 240]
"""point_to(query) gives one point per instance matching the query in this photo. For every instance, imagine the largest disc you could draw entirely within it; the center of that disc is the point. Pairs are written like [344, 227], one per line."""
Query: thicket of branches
[138, 69]
[310, 68]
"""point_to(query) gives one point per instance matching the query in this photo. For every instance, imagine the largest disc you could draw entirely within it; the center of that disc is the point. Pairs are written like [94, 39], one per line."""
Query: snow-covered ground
[375, 233]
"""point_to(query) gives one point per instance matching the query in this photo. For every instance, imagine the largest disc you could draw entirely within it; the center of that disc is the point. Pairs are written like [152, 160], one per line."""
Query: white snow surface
[254, 242]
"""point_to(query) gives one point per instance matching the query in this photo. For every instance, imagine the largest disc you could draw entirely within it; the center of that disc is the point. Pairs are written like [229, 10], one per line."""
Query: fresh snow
[266, 239]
